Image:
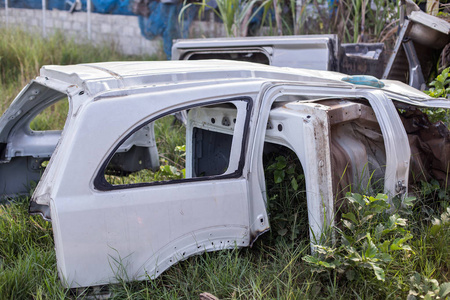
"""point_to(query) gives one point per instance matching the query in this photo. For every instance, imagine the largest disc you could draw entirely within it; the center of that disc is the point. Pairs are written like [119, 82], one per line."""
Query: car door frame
[70, 203]
[321, 208]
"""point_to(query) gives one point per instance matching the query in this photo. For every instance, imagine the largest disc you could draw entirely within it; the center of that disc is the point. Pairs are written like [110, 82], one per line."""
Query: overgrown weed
[392, 254]
[27, 256]
[23, 53]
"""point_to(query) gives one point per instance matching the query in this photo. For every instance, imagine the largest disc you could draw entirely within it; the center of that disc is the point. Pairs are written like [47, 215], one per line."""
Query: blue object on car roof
[364, 80]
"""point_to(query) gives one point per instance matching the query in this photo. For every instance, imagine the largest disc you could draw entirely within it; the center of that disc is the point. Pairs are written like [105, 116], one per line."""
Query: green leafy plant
[368, 240]
[281, 171]
[287, 198]
[432, 190]
[441, 85]
[235, 14]
[438, 114]
[441, 223]
[168, 172]
[428, 289]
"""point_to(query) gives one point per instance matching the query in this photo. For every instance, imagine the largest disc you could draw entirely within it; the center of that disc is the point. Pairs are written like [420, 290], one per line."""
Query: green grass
[27, 256]
[169, 135]
[51, 118]
[22, 54]
[273, 268]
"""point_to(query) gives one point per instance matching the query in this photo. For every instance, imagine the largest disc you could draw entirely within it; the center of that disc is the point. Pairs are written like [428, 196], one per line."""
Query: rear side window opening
[193, 143]
[52, 117]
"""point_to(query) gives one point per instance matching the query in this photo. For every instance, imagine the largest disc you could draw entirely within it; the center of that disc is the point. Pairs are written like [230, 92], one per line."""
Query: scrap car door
[315, 121]
[132, 221]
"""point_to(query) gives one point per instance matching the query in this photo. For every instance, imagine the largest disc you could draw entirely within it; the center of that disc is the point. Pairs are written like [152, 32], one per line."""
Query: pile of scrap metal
[421, 40]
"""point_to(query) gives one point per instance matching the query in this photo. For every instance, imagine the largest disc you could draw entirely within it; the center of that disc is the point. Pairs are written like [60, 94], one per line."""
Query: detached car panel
[112, 219]
[317, 52]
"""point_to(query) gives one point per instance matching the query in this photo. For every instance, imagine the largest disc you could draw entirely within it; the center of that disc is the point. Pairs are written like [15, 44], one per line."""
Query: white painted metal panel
[141, 231]
[134, 233]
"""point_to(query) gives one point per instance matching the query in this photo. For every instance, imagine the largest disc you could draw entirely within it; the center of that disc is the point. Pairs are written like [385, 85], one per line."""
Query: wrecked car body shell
[104, 231]
[315, 52]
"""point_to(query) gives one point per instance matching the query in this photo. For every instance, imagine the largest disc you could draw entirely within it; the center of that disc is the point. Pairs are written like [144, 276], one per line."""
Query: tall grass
[23, 53]
[272, 269]
[27, 256]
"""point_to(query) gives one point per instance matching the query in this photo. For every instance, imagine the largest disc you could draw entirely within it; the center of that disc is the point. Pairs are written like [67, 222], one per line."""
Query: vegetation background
[375, 255]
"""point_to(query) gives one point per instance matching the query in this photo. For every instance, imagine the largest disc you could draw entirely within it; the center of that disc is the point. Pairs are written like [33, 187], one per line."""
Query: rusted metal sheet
[430, 148]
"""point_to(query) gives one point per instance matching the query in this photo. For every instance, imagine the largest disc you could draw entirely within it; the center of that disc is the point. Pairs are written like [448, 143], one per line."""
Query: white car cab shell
[149, 227]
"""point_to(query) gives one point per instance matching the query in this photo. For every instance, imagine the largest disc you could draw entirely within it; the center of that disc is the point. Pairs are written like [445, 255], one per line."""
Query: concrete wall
[124, 31]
